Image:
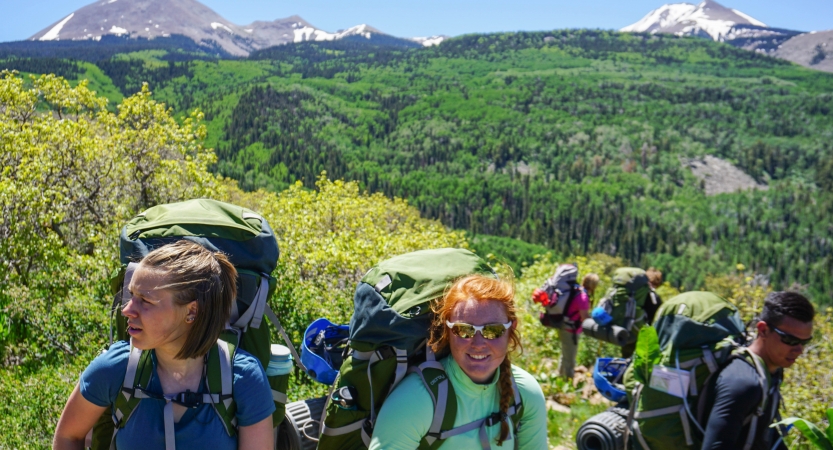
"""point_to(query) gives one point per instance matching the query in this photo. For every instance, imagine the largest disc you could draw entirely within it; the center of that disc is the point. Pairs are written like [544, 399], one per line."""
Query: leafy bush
[74, 173]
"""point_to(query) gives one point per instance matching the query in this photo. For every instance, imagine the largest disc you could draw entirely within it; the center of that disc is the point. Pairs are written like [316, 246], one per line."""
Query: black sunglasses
[789, 339]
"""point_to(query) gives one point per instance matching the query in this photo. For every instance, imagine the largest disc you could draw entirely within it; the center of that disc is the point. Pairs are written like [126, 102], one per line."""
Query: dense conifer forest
[575, 140]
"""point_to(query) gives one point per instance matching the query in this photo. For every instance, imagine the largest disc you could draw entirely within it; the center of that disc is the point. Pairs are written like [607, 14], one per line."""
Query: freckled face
[479, 357]
[154, 319]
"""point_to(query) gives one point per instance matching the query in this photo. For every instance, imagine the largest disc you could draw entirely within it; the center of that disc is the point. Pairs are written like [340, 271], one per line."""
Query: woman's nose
[478, 338]
[127, 309]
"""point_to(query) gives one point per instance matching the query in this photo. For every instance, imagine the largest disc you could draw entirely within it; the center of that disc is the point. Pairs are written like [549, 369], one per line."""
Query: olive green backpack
[388, 332]
[695, 336]
[626, 298]
[248, 241]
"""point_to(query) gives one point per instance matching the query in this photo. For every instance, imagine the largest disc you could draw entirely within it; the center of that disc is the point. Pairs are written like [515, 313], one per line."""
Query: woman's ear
[193, 308]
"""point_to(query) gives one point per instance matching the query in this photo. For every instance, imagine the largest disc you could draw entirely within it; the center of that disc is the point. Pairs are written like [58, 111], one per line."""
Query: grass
[562, 427]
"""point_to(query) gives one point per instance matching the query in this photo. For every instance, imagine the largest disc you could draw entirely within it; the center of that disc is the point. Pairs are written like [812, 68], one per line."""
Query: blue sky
[21, 19]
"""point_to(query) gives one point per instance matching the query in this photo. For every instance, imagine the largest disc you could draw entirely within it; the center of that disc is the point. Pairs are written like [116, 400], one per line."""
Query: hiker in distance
[476, 321]
[784, 327]
[655, 280]
[180, 300]
[567, 305]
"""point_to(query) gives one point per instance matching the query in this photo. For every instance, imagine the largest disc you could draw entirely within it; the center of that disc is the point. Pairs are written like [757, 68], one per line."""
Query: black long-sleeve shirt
[737, 393]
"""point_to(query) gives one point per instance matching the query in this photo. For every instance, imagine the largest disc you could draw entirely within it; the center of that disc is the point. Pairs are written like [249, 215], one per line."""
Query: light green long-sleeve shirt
[407, 413]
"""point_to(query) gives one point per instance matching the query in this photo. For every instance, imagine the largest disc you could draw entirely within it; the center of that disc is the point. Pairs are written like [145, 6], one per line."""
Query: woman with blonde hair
[476, 325]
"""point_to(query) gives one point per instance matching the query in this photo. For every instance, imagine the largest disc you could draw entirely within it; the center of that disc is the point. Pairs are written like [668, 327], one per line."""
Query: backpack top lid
[243, 235]
[392, 301]
[631, 278]
[559, 287]
[697, 318]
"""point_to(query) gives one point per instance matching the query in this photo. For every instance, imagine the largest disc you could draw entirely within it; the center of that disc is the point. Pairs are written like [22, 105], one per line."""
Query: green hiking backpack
[625, 301]
[695, 336]
[248, 241]
[388, 331]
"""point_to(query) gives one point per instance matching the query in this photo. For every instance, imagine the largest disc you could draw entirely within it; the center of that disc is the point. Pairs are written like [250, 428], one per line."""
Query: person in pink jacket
[569, 326]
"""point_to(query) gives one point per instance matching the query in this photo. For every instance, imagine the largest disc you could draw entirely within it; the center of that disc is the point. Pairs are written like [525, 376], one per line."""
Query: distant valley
[652, 145]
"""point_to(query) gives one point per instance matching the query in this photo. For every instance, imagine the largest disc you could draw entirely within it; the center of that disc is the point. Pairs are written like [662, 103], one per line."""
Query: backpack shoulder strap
[436, 436]
[518, 413]
[218, 378]
[575, 290]
[436, 381]
[763, 379]
[137, 375]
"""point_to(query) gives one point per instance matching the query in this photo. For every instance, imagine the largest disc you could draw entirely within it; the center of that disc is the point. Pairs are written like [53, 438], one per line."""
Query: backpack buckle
[367, 427]
[495, 418]
[188, 399]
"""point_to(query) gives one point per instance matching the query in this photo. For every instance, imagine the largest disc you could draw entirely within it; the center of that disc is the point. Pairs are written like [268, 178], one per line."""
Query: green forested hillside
[74, 171]
[574, 140]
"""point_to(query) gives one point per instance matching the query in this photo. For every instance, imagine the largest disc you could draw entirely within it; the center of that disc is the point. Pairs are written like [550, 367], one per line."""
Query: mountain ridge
[711, 20]
[151, 19]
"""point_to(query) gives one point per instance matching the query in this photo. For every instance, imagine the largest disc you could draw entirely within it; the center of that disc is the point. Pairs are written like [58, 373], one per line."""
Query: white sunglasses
[488, 331]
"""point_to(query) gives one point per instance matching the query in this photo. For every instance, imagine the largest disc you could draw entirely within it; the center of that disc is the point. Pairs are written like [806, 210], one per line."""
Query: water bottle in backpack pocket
[280, 365]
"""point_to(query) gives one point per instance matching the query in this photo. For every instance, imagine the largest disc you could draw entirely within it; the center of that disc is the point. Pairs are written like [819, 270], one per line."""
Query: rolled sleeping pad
[300, 429]
[609, 333]
[604, 431]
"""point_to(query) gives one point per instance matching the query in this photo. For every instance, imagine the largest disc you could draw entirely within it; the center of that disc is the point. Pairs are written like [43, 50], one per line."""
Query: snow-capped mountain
[708, 19]
[190, 18]
[712, 20]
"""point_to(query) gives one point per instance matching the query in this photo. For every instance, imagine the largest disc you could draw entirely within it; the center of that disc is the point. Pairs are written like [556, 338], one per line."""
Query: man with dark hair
[749, 387]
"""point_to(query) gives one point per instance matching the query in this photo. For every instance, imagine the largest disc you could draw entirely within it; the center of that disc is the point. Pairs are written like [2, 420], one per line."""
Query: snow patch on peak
[117, 30]
[304, 34]
[429, 41]
[313, 34]
[52, 34]
[359, 30]
[661, 17]
[215, 25]
[112, 1]
[751, 19]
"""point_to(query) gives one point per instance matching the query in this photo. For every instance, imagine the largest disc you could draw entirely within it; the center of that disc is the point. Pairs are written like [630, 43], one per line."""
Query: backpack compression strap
[218, 375]
[445, 409]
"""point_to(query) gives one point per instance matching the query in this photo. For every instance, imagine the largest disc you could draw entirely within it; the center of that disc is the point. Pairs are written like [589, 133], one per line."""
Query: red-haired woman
[476, 322]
